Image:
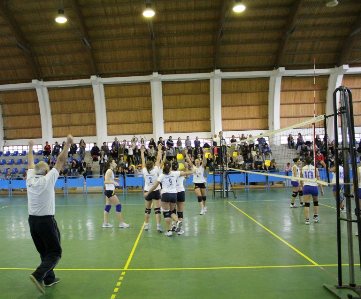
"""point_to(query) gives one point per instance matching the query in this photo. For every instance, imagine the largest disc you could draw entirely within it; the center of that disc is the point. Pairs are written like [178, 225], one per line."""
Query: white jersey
[296, 172]
[180, 185]
[340, 171]
[198, 175]
[110, 186]
[150, 178]
[169, 181]
[41, 193]
[308, 172]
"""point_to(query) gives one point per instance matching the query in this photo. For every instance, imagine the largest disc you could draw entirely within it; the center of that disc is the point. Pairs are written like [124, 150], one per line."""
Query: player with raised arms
[150, 174]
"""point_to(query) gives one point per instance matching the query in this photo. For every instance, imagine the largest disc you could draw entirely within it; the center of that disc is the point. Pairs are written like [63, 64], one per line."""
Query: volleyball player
[310, 189]
[180, 195]
[334, 187]
[296, 186]
[150, 173]
[199, 181]
[111, 198]
[168, 179]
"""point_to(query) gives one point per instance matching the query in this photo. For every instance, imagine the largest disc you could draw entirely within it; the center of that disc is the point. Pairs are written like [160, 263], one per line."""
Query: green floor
[254, 246]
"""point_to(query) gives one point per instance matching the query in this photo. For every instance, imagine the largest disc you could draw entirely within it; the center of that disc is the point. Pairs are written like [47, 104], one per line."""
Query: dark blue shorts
[153, 195]
[310, 190]
[334, 188]
[181, 197]
[169, 197]
[109, 193]
[359, 192]
[295, 183]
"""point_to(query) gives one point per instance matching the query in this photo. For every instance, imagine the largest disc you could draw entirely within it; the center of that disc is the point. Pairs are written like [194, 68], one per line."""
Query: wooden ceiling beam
[289, 29]
[20, 41]
[85, 37]
[224, 11]
[349, 42]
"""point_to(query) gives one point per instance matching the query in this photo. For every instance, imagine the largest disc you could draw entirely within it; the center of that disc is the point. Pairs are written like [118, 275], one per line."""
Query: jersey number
[309, 174]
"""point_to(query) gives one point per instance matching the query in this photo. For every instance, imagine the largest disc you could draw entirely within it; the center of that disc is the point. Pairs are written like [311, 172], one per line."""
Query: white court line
[4, 207]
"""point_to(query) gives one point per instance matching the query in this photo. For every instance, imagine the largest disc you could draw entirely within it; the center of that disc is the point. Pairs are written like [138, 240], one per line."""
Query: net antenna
[346, 150]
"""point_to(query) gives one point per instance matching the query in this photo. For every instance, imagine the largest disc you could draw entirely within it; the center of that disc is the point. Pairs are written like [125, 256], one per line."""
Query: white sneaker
[159, 228]
[202, 212]
[316, 219]
[168, 233]
[178, 226]
[307, 221]
[205, 210]
[123, 225]
[146, 226]
[293, 206]
[181, 232]
[105, 225]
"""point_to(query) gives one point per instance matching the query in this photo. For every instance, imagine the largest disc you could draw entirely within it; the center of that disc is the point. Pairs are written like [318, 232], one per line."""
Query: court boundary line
[127, 263]
[275, 235]
[250, 267]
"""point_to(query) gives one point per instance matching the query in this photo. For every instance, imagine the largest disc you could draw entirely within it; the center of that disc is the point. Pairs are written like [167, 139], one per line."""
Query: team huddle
[163, 191]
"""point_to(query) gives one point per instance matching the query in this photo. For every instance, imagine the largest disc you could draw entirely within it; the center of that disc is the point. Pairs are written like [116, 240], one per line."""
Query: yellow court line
[275, 235]
[130, 257]
[188, 268]
[322, 204]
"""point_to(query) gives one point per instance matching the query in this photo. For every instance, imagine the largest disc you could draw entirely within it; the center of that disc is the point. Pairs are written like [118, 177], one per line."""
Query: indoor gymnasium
[180, 149]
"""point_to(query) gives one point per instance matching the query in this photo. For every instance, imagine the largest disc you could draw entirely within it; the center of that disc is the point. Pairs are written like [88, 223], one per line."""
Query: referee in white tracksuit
[40, 184]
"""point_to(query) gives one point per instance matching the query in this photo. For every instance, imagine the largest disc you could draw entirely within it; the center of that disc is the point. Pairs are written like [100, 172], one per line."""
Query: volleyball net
[273, 153]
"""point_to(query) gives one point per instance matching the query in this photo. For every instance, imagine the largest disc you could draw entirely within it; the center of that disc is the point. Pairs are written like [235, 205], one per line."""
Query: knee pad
[199, 198]
[107, 208]
[307, 204]
[300, 193]
[156, 210]
[315, 203]
[180, 214]
[204, 198]
[166, 214]
[174, 211]
[147, 211]
[294, 194]
[118, 208]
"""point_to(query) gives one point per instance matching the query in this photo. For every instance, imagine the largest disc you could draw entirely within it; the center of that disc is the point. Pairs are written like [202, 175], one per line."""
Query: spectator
[47, 150]
[197, 143]
[290, 141]
[300, 141]
[114, 152]
[102, 162]
[233, 140]
[188, 143]
[116, 144]
[105, 148]
[152, 144]
[95, 152]
[261, 143]
[56, 149]
[170, 142]
[82, 146]
[257, 161]
[179, 148]
[320, 159]
[251, 142]
[73, 149]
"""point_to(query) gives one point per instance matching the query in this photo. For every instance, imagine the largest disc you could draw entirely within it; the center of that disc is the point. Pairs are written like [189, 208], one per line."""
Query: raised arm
[64, 153]
[188, 159]
[204, 161]
[185, 173]
[31, 164]
[159, 156]
[142, 155]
